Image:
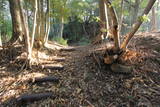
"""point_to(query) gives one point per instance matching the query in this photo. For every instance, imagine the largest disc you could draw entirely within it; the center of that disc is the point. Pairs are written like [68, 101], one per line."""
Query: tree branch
[137, 24]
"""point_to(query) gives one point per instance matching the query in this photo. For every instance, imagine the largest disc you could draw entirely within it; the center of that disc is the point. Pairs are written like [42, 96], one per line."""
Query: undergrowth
[60, 40]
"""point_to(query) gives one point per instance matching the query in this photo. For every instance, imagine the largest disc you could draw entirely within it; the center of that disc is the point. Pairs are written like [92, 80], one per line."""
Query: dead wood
[68, 49]
[118, 68]
[53, 67]
[45, 79]
[59, 59]
[111, 55]
[109, 59]
[34, 97]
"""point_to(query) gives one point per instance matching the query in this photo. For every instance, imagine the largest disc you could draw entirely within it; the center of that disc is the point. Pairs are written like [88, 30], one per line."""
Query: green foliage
[60, 40]
[84, 41]
[96, 19]
[103, 30]
[116, 3]
[143, 4]
[144, 18]
[60, 10]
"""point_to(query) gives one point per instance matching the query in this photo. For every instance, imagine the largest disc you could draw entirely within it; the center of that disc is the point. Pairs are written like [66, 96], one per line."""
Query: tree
[24, 25]
[114, 27]
[103, 16]
[109, 59]
[137, 24]
[16, 20]
[153, 20]
[47, 22]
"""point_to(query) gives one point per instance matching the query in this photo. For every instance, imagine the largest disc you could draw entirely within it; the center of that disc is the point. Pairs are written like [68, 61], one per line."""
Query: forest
[80, 53]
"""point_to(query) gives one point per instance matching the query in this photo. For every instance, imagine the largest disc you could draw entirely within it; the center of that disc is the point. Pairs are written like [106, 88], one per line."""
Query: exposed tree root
[118, 68]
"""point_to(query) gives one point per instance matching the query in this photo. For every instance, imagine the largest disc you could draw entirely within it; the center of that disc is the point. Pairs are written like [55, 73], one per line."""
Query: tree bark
[103, 15]
[114, 28]
[137, 25]
[42, 28]
[34, 23]
[47, 22]
[16, 21]
[153, 21]
[38, 27]
[61, 27]
[26, 31]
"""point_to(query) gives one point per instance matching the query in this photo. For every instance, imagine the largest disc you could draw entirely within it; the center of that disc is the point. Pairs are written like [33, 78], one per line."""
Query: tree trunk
[34, 23]
[61, 28]
[47, 21]
[137, 24]
[26, 30]
[153, 21]
[16, 21]
[114, 28]
[42, 28]
[38, 27]
[103, 16]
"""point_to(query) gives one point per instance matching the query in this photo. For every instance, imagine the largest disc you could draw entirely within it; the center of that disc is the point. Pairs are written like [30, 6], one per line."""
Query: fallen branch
[68, 49]
[45, 79]
[34, 97]
[53, 67]
[59, 59]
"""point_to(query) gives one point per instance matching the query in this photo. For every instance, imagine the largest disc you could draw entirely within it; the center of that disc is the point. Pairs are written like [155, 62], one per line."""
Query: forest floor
[80, 80]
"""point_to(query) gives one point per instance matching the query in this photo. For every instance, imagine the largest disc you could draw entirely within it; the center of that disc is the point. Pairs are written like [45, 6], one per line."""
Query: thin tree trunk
[38, 27]
[34, 23]
[26, 31]
[103, 15]
[137, 24]
[61, 27]
[42, 30]
[153, 21]
[47, 21]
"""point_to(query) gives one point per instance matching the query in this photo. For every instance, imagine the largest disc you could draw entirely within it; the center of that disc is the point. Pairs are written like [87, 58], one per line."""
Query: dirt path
[82, 82]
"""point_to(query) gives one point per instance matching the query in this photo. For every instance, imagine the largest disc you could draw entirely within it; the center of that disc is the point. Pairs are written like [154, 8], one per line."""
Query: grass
[60, 40]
